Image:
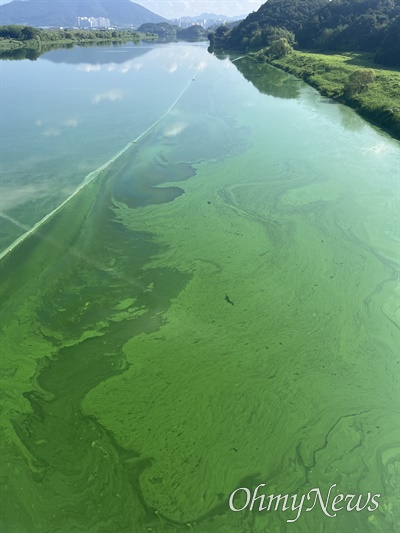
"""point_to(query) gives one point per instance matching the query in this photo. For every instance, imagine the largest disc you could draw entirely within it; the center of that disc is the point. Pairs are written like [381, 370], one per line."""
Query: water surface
[216, 309]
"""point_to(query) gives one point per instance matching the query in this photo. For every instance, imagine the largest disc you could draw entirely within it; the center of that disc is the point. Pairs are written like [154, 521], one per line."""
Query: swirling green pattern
[217, 309]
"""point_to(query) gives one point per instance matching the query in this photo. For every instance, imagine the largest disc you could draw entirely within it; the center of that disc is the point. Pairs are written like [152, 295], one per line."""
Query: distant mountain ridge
[214, 16]
[123, 13]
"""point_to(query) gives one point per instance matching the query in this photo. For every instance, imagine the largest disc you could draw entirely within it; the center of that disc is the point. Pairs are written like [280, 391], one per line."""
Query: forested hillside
[254, 31]
[320, 25]
[356, 25]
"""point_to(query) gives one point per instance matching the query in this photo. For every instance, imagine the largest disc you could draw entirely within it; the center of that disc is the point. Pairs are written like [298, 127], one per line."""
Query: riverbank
[329, 74]
[23, 41]
[8, 45]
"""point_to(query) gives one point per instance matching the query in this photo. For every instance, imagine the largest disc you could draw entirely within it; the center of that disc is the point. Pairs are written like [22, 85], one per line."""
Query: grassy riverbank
[329, 74]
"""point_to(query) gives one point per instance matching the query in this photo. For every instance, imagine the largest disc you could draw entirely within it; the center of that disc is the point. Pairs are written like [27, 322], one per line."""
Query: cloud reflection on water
[112, 96]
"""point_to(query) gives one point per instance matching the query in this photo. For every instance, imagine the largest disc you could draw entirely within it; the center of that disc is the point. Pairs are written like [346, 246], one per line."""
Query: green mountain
[320, 25]
[193, 33]
[122, 13]
[289, 15]
[171, 32]
[164, 30]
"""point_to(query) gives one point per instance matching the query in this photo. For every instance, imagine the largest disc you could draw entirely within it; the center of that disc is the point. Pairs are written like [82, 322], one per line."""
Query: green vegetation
[193, 33]
[164, 31]
[375, 94]
[359, 81]
[279, 48]
[389, 50]
[285, 17]
[14, 36]
[359, 25]
[20, 42]
[340, 25]
[170, 32]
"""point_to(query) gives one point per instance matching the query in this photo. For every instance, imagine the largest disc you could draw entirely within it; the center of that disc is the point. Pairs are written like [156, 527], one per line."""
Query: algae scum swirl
[217, 309]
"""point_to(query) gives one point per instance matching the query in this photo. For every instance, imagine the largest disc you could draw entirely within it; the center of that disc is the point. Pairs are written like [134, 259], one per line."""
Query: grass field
[10, 44]
[379, 103]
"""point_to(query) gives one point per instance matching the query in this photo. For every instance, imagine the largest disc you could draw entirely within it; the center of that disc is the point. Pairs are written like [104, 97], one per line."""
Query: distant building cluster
[91, 22]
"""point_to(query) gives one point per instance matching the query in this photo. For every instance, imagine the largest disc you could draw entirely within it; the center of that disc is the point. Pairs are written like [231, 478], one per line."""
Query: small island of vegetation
[170, 32]
[347, 49]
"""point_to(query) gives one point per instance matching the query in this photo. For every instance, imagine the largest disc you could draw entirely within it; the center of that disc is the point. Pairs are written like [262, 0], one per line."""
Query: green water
[215, 310]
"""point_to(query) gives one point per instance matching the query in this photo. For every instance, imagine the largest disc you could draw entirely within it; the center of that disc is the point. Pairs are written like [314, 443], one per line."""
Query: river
[212, 303]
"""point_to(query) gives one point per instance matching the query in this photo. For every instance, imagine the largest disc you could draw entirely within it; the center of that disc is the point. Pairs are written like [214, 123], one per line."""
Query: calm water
[216, 307]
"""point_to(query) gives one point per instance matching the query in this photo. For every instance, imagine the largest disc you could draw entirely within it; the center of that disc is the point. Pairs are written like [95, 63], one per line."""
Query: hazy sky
[179, 8]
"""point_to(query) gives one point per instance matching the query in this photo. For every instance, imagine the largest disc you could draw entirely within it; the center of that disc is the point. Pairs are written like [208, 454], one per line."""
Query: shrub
[359, 81]
[279, 48]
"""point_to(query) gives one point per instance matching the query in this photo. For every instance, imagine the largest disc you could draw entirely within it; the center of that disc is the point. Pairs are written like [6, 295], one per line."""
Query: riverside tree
[359, 81]
[279, 48]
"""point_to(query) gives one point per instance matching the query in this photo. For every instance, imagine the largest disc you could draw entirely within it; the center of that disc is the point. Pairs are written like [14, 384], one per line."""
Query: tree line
[28, 33]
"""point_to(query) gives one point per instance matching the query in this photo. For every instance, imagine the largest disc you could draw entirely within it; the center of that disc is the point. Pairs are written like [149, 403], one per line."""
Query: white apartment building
[92, 22]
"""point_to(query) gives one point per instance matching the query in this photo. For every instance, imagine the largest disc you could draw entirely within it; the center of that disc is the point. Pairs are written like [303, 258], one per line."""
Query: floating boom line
[92, 175]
